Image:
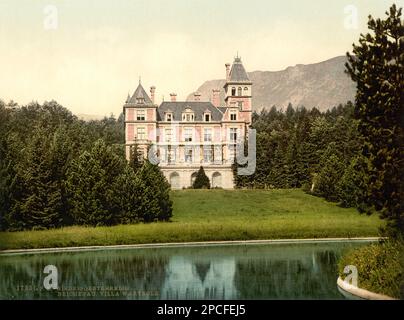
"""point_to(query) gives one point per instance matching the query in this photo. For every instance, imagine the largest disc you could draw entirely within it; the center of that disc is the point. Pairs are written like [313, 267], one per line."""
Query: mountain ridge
[322, 85]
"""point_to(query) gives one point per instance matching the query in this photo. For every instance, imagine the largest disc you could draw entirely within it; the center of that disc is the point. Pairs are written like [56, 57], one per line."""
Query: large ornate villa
[190, 134]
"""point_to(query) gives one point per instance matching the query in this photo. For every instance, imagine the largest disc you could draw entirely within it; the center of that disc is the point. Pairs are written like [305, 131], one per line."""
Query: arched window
[233, 91]
[240, 92]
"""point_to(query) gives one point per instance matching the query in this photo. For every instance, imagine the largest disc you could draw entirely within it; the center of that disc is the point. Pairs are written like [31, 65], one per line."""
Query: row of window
[186, 117]
[239, 91]
[188, 134]
[208, 154]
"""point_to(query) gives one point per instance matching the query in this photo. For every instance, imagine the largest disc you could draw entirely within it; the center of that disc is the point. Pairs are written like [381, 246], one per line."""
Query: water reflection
[275, 271]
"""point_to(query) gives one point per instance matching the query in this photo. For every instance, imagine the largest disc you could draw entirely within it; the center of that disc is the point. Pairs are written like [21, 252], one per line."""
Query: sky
[89, 54]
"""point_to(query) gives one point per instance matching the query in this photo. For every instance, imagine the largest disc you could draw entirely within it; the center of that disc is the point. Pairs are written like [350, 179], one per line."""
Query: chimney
[152, 93]
[173, 97]
[216, 97]
[227, 71]
[197, 96]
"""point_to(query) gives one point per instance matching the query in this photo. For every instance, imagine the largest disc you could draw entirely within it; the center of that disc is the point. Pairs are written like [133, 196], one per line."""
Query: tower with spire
[140, 114]
[238, 90]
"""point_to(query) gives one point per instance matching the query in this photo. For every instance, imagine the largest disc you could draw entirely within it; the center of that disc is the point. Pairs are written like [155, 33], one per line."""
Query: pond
[256, 271]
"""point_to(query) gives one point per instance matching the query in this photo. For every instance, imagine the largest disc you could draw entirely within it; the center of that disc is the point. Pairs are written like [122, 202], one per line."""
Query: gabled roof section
[140, 96]
[198, 107]
[237, 72]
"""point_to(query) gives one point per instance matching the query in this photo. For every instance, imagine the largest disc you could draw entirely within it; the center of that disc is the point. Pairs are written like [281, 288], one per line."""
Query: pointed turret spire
[237, 72]
[140, 96]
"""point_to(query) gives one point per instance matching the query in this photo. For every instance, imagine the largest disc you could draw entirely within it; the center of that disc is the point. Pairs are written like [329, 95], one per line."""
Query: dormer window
[188, 115]
[240, 91]
[233, 115]
[207, 116]
[140, 115]
[169, 116]
[140, 100]
[233, 91]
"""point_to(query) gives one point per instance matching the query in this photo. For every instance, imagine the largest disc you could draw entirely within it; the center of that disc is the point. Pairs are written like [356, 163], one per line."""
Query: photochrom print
[198, 150]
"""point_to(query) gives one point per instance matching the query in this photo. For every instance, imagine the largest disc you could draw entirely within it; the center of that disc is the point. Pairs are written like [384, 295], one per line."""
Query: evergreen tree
[331, 169]
[201, 180]
[38, 201]
[89, 183]
[350, 187]
[156, 193]
[377, 67]
[130, 196]
[135, 161]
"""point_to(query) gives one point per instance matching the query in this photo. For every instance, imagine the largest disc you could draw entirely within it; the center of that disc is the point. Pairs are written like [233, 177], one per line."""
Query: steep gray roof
[198, 107]
[140, 93]
[237, 72]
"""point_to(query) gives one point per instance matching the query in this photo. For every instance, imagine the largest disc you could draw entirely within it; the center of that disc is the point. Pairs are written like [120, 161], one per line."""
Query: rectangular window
[188, 117]
[233, 135]
[141, 115]
[233, 115]
[188, 133]
[170, 155]
[207, 135]
[232, 152]
[188, 155]
[208, 155]
[207, 117]
[168, 133]
[240, 105]
[169, 117]
[141, 133]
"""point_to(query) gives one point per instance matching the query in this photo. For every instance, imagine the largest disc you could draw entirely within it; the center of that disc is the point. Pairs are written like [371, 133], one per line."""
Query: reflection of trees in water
[307, 276]
[202, 269]
[246, 272]
[118, 271]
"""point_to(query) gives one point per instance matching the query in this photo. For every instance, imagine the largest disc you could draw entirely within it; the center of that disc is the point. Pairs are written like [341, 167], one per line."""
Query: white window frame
[141, 135]
[169, 117]
[208, 154]
[207, 132]
[141, 114]
[188, 134]
[233, 112]
[170, 155]
[188, 154]
[168, 134]
[188, 116]
[233, 132]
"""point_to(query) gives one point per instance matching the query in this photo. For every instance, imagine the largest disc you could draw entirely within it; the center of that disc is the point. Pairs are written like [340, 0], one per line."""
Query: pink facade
[190, 134]
[130, 114]
[151, 114]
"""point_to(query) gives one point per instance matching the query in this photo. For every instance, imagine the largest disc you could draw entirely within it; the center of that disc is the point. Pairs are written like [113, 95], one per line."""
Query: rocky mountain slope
[322, 85]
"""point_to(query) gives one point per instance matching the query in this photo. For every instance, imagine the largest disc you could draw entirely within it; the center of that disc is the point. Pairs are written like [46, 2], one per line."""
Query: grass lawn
[209, 215]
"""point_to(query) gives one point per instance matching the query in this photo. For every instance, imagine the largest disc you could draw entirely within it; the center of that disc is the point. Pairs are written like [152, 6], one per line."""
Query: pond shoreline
[359, 292]
[184, 244]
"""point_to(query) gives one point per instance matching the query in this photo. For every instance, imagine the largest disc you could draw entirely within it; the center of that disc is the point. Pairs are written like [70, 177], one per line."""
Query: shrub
[380, 267]
[201, 180]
